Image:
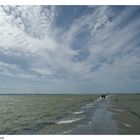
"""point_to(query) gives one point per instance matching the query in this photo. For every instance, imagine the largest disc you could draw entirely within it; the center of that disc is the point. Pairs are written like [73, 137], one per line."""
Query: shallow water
[100, 120]
[42, 114]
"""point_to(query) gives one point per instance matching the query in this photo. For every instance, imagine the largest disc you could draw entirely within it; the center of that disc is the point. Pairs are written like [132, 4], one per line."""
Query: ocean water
[43, 114]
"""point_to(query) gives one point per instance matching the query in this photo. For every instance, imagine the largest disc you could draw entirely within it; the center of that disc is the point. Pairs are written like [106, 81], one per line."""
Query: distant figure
[102, 96]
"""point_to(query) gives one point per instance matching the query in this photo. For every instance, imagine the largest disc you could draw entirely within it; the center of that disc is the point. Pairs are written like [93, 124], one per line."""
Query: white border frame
[69, 2]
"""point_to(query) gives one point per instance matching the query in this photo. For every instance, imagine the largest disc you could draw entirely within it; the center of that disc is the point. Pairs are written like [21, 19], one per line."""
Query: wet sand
[126, 111]
[112, 117]
[102, 121]
[76, 115]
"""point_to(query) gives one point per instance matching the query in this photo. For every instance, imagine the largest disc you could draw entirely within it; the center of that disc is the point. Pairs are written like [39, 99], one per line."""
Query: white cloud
[29, 34]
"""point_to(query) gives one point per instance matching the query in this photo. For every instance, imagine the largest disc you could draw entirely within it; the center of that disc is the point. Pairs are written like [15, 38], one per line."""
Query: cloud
[22, 46]
[97, 49]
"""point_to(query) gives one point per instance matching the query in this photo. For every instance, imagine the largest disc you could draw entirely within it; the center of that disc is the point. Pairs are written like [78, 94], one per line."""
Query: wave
[88, 105]
[69, 121]
[66, 132]
[78, 112]
[119, 110]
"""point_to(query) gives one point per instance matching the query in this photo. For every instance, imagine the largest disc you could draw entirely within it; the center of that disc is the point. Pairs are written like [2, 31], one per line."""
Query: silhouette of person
[102, 96]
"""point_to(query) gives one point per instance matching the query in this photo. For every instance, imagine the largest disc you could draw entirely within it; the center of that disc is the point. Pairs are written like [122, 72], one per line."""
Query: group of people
[103, 96]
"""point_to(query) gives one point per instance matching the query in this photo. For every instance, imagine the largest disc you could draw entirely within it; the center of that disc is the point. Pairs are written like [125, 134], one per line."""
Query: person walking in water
[103, 96]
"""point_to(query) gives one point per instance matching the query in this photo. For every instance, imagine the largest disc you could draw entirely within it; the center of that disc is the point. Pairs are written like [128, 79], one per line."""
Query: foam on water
[66, 132]
[119, 110]
[69, 121]
[92, 104]
[88, 105]
[78, 112]
[127, 125]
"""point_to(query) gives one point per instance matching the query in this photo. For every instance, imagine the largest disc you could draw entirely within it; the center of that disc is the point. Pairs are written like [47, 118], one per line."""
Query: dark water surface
[43, 114]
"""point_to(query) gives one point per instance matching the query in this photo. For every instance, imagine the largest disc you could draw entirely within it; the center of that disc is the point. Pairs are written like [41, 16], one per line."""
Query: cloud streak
[97, 51]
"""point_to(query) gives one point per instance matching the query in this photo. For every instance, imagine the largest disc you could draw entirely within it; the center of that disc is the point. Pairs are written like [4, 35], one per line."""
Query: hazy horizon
[69, 49]
[26, 93]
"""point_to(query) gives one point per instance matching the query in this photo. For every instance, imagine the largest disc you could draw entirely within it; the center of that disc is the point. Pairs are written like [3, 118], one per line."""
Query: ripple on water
[78, 112]
[68, 121]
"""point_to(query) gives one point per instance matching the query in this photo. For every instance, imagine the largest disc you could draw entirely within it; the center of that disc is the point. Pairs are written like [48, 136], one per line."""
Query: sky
[69, 49]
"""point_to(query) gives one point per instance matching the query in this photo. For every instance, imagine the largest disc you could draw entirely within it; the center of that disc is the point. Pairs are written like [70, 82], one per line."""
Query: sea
[39, 114]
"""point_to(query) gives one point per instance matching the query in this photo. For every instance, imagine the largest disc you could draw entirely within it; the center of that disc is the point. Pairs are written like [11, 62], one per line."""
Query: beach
[117, 114]
[69, 114]
[126, 110]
